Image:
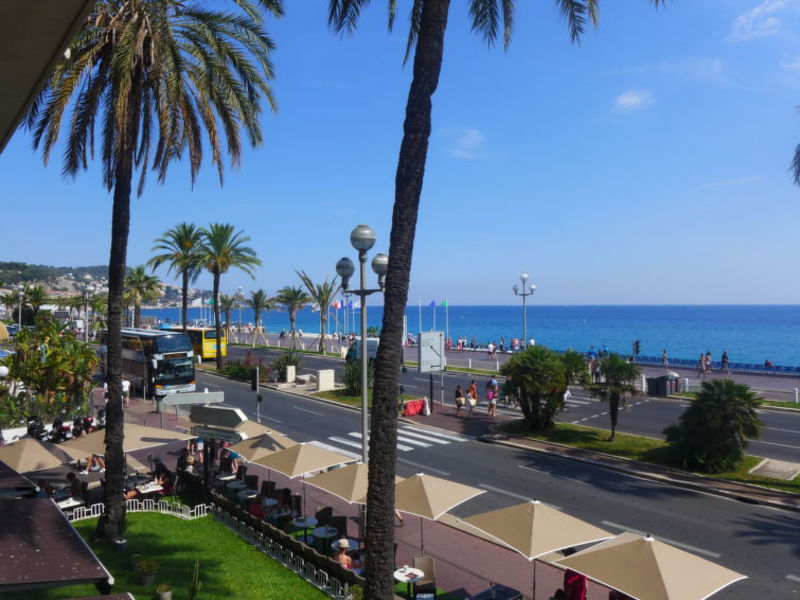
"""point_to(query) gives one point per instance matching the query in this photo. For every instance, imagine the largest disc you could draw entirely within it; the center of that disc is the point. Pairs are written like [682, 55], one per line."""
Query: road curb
[709, 489]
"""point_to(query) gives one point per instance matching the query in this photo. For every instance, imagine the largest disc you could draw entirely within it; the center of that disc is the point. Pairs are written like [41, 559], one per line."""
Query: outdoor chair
[251, 481]
[340, 523]
[427, 584]
[324, 514]
[268, 489]
[241, 472]
[297, 504]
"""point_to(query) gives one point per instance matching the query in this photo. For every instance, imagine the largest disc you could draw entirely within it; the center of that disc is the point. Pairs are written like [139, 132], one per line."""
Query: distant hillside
[15, 272]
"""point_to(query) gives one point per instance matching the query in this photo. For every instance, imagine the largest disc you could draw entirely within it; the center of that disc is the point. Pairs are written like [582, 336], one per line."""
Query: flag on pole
[433, 304]
[444, 304]
[337, 305]
[350, 304]
[315, 307]
[357, 304]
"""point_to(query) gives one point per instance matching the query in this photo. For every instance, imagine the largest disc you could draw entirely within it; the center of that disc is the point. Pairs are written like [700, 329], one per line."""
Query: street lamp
[88, 290]
[363, 238]
[239, 297]
[523, 277]
[21, 291]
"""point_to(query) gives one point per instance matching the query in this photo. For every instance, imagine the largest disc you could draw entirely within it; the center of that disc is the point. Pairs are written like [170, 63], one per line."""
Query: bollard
[469, 363]
[497, 366]
[796, 397]
[643, 384]
[205, 390]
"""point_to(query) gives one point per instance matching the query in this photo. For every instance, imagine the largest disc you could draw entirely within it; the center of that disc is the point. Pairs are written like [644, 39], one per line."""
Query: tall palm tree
[322, 294]
[259, 301]
[140, 287]
[538, 377]
[292, 299]
[224, 248]
[35, 297]
[179, 248]
[426, 38]
[619, 376]
[163, 77]
[227, 304]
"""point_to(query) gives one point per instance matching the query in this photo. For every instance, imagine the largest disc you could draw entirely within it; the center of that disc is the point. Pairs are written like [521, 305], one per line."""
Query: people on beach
[664, 359]
[726, 368]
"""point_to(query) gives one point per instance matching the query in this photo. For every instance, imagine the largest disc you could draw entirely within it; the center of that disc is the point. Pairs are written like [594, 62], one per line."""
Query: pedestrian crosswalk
[408, 438]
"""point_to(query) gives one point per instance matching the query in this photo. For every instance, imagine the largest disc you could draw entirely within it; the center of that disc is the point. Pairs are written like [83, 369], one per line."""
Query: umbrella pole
[421, 537]
[534, 579]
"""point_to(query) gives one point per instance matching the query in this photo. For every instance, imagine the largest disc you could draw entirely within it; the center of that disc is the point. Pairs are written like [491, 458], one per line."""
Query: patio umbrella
[137, 437]
[430, 497]
[534, 529]
[302, 459]
[348, 483]
[647, 569]
[262, 445]
[29, 454]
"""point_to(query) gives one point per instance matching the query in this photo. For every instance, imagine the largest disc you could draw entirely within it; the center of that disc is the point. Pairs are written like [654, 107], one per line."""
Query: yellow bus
[204, 341]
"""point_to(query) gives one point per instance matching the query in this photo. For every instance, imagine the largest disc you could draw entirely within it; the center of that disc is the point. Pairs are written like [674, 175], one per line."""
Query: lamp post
[21, 291]
[523, 277]
[363, 238]
[88, 290]
[240, 298]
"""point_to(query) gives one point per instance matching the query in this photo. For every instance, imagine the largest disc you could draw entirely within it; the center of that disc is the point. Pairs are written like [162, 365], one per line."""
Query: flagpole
[434, 316]
[446, 318]
[420, 315]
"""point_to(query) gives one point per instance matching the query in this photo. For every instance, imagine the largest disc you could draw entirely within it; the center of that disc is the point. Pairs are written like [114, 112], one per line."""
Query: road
[761, 542]
[644, 416]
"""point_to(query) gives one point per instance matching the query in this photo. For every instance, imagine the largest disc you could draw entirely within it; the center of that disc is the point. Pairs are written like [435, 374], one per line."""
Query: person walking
[567, 395]
[708, 363]
[701, 366]
[491, 401]
[126, 390]
[460, 400]
[472, 397]
[725, 362]
[664, 359]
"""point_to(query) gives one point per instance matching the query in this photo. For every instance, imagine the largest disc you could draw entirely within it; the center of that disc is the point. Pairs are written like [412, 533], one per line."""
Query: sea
[750, 333]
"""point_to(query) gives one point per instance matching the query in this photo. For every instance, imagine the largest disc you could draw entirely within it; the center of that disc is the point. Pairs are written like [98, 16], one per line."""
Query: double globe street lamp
[523, 277]
[88, 290]
[21, 291]
[363, 238]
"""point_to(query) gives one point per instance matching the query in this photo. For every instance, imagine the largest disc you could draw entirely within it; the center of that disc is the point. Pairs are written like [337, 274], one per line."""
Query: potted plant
[164, 591]
[147, 570]
[135, 560]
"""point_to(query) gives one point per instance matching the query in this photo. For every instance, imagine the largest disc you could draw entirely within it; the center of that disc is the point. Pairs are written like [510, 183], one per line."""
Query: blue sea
[751, 333]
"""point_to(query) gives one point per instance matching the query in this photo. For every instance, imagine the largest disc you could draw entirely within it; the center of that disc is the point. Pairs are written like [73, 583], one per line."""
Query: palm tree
[178, 247]
[293, 299]
[140, 288]
[538, 378]
[35, 297]
[98, 304]
[227, 304]
[224, 248]
[713, 431]
[619, 377]
[575, 368]
[162, 77]
[259, 302]
[322, 294]
[426, 37]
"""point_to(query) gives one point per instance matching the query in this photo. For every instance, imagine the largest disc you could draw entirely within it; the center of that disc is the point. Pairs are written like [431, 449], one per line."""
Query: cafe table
[305, 523]
[70, 503]
[498, 592]
[408, 575]
[323, 534]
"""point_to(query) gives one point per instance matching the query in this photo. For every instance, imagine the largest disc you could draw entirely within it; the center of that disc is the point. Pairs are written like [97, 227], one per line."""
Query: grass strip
[645, 449]
[229, 567]
[340, 396]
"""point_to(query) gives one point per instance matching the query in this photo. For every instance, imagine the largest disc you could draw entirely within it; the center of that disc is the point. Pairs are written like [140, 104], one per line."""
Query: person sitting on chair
[94, 463]
[256, 507]
[342, 557]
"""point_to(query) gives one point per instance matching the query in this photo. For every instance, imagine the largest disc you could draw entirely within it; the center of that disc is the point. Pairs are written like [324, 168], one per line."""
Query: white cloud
[709, 70]
[758, 22]
[732, 182]
[791, 65]
[465, 142]
[633, 100]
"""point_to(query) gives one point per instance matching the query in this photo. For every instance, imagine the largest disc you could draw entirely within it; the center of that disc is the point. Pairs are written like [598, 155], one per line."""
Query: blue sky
[647, 165]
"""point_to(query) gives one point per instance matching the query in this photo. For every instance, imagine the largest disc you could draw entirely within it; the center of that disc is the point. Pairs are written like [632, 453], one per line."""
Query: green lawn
[229, 567]
[340, 396]
[640, 448]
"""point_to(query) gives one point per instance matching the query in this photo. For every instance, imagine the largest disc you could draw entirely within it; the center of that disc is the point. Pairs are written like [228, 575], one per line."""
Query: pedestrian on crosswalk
[567, 395]
[472, 397]
[460, 400]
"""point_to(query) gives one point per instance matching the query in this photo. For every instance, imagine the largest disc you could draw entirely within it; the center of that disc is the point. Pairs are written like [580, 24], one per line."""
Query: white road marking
[793, 578]
[430, 437]
[663, 539]
[436, 433]
[419, 443]
[534, 469]
[357, 435]
[325, 446]
[273, 419]
[773, 444]
[309, 411]
[578, 401]
[603, 413]
[574, 422]
[784, 430]
[346, 442]
[584, 420]
[490, 488]
[423, 468]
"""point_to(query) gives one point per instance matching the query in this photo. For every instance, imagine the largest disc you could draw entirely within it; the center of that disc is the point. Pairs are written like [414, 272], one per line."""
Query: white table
[269, 502]
[408, 575]
[70, 503]
[149, 488]
[225, 478]
[304, 523]
[246, 495]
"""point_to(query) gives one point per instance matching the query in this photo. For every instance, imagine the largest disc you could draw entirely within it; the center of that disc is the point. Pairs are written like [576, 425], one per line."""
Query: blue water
[749, 333]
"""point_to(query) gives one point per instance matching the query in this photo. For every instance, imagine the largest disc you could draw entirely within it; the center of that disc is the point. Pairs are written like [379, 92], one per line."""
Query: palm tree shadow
[773, 529]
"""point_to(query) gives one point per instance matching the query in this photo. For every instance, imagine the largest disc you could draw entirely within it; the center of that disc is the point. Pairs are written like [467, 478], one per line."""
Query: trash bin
[652, 386]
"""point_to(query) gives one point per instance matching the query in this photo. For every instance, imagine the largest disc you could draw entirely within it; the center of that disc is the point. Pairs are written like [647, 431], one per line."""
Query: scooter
[60, 432]
[36, 428]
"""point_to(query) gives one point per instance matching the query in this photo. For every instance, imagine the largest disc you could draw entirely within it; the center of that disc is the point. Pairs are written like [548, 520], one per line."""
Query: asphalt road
[644, 415]
[761, 542]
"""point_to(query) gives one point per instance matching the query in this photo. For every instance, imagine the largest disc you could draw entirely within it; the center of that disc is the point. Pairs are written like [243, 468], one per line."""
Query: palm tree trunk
[613, 411]
[408, 187]
[137, 315]
[322, 321]
[184, 298]
[217, 324]
[255, 333]
[114, 514]
[292, 319]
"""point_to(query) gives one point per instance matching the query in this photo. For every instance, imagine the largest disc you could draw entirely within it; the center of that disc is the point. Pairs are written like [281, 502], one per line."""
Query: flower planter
[121, 545]
[149, 579]
[164, 595]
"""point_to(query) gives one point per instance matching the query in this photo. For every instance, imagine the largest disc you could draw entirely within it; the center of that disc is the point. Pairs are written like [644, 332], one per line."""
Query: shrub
[351, 378]
[287, 358]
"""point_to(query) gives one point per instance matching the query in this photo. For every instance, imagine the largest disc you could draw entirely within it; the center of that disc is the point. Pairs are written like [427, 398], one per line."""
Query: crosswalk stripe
[325, 446]
[421, 436]
[419, 443]
[344, 441]
[452, 438]
[402, 447]
[579, 401]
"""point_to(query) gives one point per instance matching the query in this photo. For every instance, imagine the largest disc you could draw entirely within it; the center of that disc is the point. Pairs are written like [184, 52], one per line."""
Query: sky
[647, 165]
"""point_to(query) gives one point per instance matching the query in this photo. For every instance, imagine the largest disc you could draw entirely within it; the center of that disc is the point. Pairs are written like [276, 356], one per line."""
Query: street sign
[217, 416]
[430, 354]
[193, 398]
[220, 434]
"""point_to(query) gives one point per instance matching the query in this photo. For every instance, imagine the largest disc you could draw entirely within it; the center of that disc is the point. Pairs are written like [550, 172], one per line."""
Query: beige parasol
[137, 437]
[348, 483]
[262, 445]
[647, 569]
[302, 459]
[29, 454]
[430, 497]
[534, 529]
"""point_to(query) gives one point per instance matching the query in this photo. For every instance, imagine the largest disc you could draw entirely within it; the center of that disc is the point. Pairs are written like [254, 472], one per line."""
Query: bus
[204, 341]
[156, 362]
